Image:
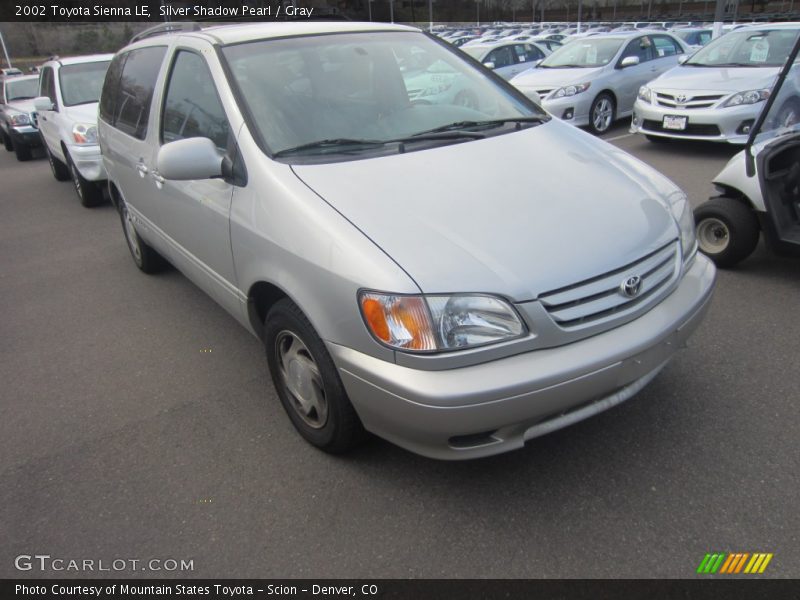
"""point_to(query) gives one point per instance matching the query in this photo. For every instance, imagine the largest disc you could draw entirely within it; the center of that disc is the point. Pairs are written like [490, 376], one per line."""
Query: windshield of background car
[22, 89]
[783, 115]
[82, 83]
[587, 52]
[362, 86]
[743, 48]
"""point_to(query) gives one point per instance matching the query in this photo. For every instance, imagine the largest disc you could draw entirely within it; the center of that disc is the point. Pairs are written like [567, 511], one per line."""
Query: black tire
[7, 142]
[148, 260]
[22, 151]
[727, 230]
[57, 167]
[330, 423]
[657, 139]
[89, 193]
[602, 104]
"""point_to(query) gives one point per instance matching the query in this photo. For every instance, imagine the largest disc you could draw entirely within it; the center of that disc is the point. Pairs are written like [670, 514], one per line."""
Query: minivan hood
[517, 214]
[543, 77]
[82, 113]
[731, 80]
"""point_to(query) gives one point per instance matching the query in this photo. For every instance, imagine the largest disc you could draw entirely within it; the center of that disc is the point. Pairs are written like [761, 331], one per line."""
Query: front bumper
[494, 407]
[89, 162]
[25, 136]
[712, 124]
[579, 106]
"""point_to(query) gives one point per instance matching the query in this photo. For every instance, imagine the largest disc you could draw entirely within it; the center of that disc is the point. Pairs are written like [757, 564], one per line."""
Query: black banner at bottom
[419, 589]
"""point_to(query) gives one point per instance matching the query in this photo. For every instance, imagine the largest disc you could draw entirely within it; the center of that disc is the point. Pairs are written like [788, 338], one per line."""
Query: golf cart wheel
[727, 230]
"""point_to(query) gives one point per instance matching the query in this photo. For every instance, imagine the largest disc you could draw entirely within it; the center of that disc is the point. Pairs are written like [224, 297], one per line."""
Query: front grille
[600, 297]
[670, 101]
[691, 128]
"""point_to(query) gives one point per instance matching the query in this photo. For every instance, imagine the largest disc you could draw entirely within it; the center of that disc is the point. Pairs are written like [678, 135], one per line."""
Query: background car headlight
[748, 97]
[19, 120]
[84, 133]
[645, 93]
[571, 90]
[431, 323]
[682, 212]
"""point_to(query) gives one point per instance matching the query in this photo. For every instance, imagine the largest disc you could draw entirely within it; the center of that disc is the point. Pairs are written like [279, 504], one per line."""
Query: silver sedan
[717, 94]
[594, 81]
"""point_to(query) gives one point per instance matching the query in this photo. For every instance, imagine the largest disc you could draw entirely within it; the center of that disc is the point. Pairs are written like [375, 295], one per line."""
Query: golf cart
[760, 186]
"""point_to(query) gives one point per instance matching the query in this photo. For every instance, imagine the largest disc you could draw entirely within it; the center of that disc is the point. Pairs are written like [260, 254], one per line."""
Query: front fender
[734, 177]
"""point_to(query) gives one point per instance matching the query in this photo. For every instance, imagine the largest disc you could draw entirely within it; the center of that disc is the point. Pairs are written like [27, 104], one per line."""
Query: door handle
[42, 118]
[143, 170]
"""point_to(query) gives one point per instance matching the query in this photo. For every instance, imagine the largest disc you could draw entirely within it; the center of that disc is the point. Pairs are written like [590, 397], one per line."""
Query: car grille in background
[691, 128]
[670, 101]
[600, 297]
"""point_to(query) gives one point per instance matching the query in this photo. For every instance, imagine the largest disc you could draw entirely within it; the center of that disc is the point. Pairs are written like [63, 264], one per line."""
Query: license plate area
[674, 122]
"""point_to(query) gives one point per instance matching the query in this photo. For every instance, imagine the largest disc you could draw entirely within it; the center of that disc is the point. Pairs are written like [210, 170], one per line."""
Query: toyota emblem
[680, 98]
[631, 287]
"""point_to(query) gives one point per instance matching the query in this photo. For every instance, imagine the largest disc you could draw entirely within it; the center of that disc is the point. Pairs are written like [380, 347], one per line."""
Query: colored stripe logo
[735, 562]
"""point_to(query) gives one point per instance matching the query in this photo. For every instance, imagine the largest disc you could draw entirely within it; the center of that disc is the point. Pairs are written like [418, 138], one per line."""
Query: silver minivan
[455, 279]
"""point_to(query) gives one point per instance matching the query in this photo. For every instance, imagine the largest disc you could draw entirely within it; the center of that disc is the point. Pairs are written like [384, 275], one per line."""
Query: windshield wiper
[329, 143]
[740, 64]
[461, 126]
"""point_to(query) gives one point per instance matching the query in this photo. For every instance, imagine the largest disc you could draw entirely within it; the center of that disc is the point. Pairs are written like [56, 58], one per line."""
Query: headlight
[748, 97]
[19, 120]
[571, 90]
[682, 212]
[645, 93]
[438, 323]
[84, 133]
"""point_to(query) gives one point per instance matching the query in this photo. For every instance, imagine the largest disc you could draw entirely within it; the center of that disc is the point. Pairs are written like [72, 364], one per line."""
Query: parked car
[69, 90]
[718, 92]
[10, 72]
[285, 170]
[17, 116]
[507, 59]
[593, 81]
[694, 38]
[759, 188]
[551, 45]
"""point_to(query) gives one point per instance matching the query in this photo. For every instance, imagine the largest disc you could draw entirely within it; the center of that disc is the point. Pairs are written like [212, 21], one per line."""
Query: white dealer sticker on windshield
[760, 51]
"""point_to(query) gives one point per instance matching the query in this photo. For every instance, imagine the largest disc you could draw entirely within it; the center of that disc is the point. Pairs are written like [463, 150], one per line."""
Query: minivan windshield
[353, 92]
[81, 83]
[746, 48]
[22, 89]
[586, 52]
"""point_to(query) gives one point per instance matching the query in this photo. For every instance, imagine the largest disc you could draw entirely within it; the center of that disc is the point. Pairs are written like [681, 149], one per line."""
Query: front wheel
[22, 151]
[58, 168]
[601, 114]
[89, 193]
[307, 381]
[727, 230]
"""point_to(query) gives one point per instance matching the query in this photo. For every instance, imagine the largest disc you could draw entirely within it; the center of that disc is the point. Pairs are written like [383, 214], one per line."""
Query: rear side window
[110, 93]
[139, 74]
[192, 107]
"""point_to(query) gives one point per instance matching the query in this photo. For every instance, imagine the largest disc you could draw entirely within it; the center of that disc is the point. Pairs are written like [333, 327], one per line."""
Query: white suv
[69, 90]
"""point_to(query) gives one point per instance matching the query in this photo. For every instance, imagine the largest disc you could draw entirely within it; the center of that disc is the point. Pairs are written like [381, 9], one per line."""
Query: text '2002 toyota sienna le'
[456, 280]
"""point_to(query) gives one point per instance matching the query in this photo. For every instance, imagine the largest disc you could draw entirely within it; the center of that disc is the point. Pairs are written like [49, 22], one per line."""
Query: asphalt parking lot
[139, 422]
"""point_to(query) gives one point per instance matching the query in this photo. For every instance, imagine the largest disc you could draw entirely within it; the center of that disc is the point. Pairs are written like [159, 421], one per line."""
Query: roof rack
[162, 28]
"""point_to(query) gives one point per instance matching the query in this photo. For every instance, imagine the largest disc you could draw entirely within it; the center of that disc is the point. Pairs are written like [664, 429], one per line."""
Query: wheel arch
[262, 296]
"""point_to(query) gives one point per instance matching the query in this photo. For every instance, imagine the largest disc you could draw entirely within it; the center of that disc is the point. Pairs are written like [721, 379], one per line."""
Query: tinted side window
[501, 57]
[640, 47]
[139, 73]
[191, 106]
[110, 92]
[46, 84]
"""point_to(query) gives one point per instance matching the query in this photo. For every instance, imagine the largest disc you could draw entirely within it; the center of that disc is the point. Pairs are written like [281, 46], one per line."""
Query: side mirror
[629, 61]
[489, 65]
[41, 103]
[191, 158]
[683, 58]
